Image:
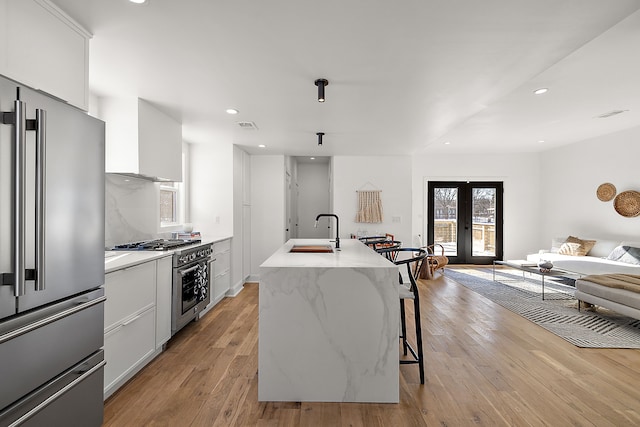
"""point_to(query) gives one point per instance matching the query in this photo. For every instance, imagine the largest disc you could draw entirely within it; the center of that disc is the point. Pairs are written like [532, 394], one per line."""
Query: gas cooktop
[154, 245]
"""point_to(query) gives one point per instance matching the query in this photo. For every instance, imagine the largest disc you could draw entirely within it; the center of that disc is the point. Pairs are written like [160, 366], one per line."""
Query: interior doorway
[313, 197]
[466, 219]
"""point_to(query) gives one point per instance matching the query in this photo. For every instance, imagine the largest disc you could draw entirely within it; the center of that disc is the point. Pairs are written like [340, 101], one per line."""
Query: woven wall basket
[606, 192]
[627, 203]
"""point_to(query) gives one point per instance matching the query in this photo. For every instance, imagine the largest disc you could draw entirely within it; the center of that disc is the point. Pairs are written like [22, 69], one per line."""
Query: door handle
[19, 196]
[41, 197]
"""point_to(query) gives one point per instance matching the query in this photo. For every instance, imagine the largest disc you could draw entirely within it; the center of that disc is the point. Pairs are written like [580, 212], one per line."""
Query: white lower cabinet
[127, 347]
[221, 270]
[164, 271]
[137, 319]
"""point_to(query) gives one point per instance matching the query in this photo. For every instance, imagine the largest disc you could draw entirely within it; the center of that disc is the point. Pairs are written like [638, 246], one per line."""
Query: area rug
[557, 313]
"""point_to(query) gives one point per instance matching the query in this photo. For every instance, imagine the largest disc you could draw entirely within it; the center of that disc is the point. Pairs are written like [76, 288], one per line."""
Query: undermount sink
[312, 249]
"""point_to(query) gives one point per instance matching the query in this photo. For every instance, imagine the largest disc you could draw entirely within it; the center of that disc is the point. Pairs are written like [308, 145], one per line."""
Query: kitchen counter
[117, 260]
[328, 328]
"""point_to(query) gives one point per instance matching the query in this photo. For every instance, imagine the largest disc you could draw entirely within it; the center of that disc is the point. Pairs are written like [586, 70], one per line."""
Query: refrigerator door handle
[41, 199]
[19, 196]
[79, 305]
[83, 375]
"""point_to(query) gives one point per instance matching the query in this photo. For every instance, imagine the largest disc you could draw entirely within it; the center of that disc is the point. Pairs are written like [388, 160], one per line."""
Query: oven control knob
[193, 256]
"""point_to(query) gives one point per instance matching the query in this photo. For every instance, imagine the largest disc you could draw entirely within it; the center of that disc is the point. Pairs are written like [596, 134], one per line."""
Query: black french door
[466, 219]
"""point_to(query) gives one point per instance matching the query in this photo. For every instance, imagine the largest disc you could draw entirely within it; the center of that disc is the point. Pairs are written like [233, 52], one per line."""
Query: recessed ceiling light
[262, 146]
[540, 91]
[232, 111]
[138, 1]
[312, 158]
[447, 143]
[540, 141]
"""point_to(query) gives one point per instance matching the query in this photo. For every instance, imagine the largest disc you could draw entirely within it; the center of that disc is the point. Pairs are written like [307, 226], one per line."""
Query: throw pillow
[627, 254]
[576, 247]
[556, 243]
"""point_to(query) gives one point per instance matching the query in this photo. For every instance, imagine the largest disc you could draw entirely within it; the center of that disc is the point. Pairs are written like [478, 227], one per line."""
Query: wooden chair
[435, 260]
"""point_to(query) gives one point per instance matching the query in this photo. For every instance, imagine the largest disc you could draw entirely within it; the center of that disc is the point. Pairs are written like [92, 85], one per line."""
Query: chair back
[411, 257]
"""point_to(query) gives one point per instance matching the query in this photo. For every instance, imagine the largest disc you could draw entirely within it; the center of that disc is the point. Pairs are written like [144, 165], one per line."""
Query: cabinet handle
[131, 320]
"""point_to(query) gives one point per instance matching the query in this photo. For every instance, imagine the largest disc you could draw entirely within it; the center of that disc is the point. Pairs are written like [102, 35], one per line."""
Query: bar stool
[412, 258]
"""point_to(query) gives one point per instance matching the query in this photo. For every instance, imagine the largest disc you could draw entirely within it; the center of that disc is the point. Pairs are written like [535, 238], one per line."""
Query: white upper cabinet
[141, 140]
[42, 47]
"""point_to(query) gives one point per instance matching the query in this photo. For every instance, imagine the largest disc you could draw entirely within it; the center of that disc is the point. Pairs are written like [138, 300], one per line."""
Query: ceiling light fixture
[540, 91]
[320, 135]
[447, 143]
[262, 146]
[138, 1]
[232, 111]
[312, 158]
[321, 83]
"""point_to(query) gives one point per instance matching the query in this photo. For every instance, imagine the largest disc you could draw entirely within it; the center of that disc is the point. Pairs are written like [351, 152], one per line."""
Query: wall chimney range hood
[141, 141]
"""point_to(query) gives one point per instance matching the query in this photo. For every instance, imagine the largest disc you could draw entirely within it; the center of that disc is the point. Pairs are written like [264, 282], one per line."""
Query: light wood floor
[485, 366]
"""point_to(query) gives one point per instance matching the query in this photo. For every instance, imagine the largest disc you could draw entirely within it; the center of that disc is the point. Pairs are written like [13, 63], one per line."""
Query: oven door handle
[188, 270]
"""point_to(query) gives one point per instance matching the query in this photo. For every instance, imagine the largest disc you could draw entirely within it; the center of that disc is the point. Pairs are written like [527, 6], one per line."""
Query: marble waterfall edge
[329, 334]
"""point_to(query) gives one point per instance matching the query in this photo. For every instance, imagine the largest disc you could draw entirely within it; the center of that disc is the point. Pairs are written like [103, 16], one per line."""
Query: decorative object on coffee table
[606, 192]
[627, 203]
[545, 266]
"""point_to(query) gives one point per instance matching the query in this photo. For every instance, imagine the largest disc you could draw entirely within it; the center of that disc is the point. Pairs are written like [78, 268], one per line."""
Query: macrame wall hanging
[369, 206]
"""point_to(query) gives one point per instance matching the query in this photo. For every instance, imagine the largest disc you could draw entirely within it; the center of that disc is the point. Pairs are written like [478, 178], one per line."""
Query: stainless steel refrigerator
[51, 261]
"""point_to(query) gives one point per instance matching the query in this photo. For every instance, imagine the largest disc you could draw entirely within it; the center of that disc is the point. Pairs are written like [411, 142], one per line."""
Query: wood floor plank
[485, 366]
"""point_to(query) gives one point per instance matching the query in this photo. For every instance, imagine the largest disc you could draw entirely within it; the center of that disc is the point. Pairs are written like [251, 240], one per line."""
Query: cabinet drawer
[221, 264]
[129, 291]
[221, 284]
[127, 345]
[223, 246]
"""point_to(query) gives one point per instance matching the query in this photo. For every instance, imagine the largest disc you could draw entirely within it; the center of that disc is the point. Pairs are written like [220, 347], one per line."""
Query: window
[168, 204]
[172, 201]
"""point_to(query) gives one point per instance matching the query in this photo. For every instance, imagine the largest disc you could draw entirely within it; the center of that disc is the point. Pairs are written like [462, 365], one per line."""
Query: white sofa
[595, 262]
[592, 267]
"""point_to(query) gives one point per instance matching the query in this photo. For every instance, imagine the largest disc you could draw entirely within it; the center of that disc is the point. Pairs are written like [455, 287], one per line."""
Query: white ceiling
[404, 76]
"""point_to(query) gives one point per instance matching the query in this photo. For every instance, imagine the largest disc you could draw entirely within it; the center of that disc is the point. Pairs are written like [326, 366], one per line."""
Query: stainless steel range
[191, 284]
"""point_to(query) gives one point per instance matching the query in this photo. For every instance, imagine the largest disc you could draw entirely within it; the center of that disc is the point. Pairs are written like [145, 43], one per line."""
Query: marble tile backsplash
[131, 210]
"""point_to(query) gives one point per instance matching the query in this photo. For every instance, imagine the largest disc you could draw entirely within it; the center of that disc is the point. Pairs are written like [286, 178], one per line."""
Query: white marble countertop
[352, 253]
[117, 260]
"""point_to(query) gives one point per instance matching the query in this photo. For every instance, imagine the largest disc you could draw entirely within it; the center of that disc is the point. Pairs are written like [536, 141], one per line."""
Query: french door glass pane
[484, 227]
[446, 219]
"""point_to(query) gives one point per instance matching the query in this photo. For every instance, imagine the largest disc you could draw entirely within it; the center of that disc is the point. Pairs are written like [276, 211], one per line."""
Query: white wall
[391, 174]
[313, 199]
[571, 175]
[211, 177]
[267, 208]
[520, 174]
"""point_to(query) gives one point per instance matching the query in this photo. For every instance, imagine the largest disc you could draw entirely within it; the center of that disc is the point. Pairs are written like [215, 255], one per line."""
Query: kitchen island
[328, 325]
